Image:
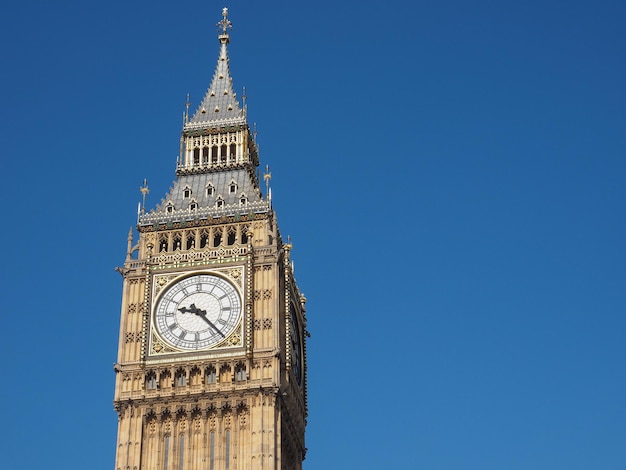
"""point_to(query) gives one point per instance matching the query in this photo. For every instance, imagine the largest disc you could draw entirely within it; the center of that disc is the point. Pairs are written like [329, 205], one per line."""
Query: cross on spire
[225, 24]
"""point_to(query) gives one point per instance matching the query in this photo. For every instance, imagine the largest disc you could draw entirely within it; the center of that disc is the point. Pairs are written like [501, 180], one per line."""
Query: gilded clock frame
[161, 281]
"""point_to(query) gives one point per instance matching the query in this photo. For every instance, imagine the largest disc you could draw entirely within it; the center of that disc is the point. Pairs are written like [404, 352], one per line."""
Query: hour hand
[192, 309]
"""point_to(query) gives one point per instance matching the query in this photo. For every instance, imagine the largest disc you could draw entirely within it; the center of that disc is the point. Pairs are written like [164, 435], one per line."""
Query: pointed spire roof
[220, 105]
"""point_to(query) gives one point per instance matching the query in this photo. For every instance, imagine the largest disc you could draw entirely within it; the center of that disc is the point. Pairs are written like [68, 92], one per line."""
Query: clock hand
[202, 314]
[192, 309]
[211, 324]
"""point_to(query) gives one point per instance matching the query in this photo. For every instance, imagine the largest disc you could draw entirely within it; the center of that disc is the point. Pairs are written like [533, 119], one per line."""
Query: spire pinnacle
[224, 26]
[267, 177]
[144, 191]
[220, 103]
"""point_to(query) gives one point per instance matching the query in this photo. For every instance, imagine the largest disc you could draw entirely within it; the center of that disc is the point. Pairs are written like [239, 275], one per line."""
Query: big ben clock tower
[211, 368]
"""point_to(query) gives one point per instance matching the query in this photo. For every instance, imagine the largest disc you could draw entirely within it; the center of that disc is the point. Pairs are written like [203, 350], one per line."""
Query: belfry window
[214, 154]
[196, 156]
[205, 155]
[217, 239]
[177, 240]
[233, 150]
[232, 236]
[191, 241]
[204, 239]
[163, 243]
[224, 149]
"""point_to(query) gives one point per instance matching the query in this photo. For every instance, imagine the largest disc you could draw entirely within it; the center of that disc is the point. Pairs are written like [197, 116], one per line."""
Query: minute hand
[202, 314]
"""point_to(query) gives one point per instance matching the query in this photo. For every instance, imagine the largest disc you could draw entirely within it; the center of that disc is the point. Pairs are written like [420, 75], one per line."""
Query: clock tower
[211, 368]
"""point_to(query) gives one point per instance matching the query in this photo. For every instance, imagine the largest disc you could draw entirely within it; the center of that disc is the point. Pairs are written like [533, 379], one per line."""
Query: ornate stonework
[220, 383]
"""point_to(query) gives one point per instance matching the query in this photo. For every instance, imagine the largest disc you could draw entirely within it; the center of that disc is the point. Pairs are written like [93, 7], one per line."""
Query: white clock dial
[197, 312]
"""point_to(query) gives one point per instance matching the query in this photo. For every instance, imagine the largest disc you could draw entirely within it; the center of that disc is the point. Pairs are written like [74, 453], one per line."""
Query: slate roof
[220, 101]
[219, 107]
[206, 204]
[220, 181]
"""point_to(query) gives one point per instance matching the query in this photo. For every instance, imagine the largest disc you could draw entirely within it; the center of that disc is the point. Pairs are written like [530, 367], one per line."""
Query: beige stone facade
[211, 368]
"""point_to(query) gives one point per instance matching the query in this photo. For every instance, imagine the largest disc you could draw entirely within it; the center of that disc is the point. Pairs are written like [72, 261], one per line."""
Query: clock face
[197, 312]
[296, 346]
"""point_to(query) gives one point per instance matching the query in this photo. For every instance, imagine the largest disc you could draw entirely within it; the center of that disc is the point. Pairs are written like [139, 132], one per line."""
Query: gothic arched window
[217, 238]
[232, 235]
[181, 378]
[191, 241]
[240, 372]
[211, 376]
[151, 381]
[204, 238]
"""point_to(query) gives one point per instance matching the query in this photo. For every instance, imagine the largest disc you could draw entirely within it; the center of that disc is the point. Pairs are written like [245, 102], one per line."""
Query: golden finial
[187, 104]
[267, 176]
[224, 25]
[288, 245]
[244, 99]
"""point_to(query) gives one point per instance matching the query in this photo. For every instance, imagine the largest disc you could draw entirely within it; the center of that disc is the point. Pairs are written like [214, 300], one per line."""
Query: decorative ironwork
[225, 24]
[179, 215]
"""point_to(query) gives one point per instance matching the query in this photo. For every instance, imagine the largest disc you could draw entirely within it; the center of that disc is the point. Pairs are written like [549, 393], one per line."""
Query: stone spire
[220, 105]
[216, 169]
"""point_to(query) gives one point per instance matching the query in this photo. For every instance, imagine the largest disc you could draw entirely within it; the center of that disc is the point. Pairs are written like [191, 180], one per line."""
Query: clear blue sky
[452, 175]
